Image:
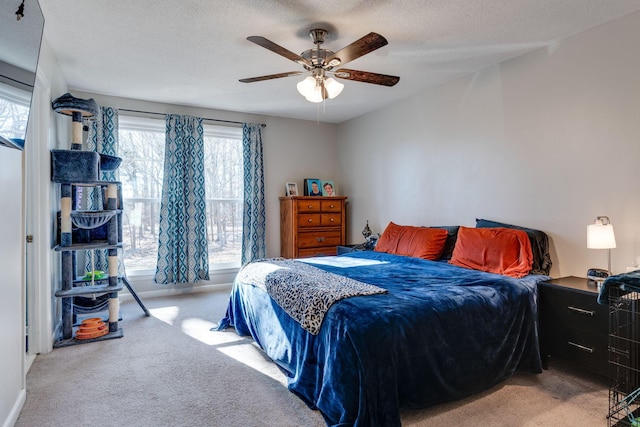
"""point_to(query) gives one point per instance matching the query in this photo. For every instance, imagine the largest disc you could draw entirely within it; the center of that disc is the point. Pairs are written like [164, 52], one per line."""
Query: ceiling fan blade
[268, 44]
[272, 76]
[366, 77]
[364, 45]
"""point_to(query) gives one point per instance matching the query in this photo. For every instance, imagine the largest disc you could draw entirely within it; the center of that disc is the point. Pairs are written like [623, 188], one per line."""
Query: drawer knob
[310, 220]
[581, 311]
[331, 206]
[309, 206]
[581, 347]
[320, 239]
[331, 219]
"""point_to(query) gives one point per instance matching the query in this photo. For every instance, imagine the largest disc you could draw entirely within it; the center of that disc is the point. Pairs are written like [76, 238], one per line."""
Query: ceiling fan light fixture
[319, 61]
[306, 86]
[317, 89]
[333, 87]
[312, 89]
[316, 95]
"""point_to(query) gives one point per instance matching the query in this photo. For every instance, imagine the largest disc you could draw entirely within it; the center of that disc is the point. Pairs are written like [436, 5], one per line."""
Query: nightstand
[573, 326]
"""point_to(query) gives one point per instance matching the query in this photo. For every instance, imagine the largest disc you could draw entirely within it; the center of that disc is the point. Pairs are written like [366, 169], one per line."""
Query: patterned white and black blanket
[304, 292]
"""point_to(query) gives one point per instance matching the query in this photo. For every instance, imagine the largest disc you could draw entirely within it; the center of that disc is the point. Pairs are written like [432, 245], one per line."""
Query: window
[141, 148]
[14, 111]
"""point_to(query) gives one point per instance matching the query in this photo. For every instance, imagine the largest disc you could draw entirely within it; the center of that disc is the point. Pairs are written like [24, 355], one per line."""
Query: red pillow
[495, 250]
[388, 242]
[418, 242]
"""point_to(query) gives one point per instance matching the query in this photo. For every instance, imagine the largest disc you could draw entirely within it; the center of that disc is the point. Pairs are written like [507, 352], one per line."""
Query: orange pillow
[495, 250]
[418, 242]
[388, 242]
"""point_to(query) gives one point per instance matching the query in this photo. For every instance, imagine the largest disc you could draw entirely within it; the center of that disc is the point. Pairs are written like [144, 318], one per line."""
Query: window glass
[141, 147]
[14, 111]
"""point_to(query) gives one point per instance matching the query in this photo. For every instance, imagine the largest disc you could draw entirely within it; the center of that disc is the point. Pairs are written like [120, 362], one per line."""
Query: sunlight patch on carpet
[166, 314]
[200, 329]
[252, 356]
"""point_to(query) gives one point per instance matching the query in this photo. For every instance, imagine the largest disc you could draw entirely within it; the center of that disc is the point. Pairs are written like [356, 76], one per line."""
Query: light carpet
[171, 370]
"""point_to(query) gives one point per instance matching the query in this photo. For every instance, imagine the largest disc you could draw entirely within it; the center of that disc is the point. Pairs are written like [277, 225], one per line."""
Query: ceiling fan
[319, 65]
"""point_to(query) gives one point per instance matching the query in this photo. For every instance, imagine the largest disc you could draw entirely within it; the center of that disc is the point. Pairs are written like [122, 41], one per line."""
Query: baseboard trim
[126, 296]
[16, 409]
[28, 361]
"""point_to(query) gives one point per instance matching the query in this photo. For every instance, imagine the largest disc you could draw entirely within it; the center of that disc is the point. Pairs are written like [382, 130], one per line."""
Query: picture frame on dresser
[312, 187]
[291, 189]
[328, 189]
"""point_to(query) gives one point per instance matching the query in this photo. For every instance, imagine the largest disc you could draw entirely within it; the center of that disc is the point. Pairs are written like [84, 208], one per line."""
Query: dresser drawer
[329, 219]
[325, 251]
[319, 220]
[320, 239]
[309, 206]
[309, 220]
[330, 206]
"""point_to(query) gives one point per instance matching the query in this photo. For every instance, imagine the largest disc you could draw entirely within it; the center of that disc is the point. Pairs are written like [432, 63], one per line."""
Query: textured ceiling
[193, 52]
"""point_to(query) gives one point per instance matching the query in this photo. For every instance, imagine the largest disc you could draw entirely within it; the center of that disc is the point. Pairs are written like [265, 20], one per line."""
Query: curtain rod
[203, 118]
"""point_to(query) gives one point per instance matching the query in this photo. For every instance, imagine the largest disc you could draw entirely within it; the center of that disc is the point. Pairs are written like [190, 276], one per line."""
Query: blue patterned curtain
[253, 222]
[182, 248]
[103, 138]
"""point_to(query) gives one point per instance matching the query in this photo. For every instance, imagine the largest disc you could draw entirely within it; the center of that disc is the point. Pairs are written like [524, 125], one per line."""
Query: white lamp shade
[315, 95]
[333, 87]
[310, 89]
[317, 91]
[306, 86]
[600, 236]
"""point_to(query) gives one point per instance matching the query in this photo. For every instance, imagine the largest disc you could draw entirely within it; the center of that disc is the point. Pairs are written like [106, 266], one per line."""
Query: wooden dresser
[311, 226]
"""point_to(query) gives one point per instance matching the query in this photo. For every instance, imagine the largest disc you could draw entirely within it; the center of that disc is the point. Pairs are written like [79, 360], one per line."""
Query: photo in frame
[312, 187]
[291, 189]
[328, 189]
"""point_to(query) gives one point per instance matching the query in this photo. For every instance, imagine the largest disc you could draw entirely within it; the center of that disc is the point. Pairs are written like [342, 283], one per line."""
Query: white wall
[12, 392]
[549, 140]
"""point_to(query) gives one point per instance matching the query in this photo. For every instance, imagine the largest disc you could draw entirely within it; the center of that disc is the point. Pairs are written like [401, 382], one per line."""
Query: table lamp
[600, 236]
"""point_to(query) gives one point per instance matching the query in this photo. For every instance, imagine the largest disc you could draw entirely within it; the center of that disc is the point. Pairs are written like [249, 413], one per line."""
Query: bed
[424, 331]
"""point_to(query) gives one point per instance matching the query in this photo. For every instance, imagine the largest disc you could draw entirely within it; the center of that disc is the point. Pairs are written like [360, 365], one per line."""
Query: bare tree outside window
[141, 146]
[13, 118]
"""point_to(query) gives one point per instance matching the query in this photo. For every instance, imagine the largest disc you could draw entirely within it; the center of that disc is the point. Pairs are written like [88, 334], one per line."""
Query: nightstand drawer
[589, 350]
[579, 311]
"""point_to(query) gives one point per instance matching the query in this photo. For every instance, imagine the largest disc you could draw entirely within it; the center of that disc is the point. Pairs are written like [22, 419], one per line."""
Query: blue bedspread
[441, 333]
